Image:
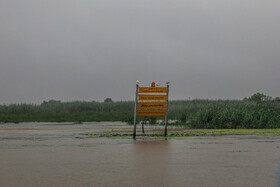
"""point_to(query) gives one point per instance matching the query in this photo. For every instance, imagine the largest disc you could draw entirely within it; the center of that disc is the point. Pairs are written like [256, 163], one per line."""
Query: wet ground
[48, 154]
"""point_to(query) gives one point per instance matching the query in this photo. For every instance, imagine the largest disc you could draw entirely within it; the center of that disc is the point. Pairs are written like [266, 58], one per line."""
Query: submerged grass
[18, 128]
[196, 132]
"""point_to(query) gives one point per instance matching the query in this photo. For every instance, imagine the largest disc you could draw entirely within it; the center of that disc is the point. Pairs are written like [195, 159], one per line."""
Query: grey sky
[93, 49]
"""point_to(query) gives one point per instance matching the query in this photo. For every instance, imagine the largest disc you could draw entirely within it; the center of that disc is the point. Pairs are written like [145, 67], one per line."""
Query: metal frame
[136, 109]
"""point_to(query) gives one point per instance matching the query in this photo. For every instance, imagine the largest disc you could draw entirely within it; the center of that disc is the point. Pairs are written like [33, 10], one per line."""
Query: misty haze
[90, 50]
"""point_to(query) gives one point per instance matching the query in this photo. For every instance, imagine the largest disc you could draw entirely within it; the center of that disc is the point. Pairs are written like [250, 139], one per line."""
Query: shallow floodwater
[48, 154]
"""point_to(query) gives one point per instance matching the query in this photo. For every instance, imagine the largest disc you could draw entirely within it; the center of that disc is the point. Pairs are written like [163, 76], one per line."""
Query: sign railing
[152, 101]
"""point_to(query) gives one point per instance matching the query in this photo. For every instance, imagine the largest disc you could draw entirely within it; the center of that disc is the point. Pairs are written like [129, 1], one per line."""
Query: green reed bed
[195, 114]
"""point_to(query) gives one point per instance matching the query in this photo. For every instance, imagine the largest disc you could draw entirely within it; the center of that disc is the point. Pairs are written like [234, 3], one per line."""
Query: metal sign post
[135, 109]
[152, 101]
[166, 118]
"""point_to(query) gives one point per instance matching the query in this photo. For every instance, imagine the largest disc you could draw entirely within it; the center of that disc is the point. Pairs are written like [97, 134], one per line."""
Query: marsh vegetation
[257, 111]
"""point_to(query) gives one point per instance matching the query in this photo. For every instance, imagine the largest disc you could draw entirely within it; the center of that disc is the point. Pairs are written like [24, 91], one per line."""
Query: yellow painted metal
[152, 97]
[152, 105]
[151, 112]
[152, 89]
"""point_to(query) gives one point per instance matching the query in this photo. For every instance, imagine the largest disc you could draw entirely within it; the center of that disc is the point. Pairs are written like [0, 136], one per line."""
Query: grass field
[195, 114]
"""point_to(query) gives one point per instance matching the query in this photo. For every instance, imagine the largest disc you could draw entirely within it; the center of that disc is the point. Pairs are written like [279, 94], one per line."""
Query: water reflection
[151, 158]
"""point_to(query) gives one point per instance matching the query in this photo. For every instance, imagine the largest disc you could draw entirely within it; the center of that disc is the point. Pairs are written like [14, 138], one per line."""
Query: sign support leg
[143, 131]
[135, 111]
[166, 118]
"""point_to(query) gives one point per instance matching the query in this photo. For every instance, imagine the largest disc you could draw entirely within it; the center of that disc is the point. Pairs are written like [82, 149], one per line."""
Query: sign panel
[153, 97]
[152, 89]
[151, 112]
[152, 105]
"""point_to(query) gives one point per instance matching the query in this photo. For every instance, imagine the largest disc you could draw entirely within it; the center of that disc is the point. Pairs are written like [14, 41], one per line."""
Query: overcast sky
[94, 49]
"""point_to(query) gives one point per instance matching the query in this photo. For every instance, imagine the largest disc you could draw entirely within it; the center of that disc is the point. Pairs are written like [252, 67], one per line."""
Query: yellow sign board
[151, 112]
[152, 89]
[152, 105]
[152, 97]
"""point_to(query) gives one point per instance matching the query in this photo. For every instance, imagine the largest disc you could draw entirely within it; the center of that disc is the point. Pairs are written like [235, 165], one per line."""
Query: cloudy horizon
[94, 49]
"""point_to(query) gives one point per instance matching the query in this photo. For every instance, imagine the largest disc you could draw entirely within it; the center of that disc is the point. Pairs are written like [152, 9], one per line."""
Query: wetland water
[49, 154]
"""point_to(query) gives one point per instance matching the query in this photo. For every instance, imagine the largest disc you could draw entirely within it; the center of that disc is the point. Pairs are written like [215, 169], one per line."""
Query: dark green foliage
[76, 111]
[218, 114]
[237, 115]
[258, 97]
[129, 119]
[108, 100]
[183, 118]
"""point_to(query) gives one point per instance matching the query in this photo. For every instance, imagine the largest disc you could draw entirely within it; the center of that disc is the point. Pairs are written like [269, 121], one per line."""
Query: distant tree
[108, 100]
[257, 97]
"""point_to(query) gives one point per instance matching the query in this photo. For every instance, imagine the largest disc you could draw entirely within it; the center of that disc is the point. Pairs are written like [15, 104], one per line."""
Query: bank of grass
[193, 132]
[78, 117]
[195, 114]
